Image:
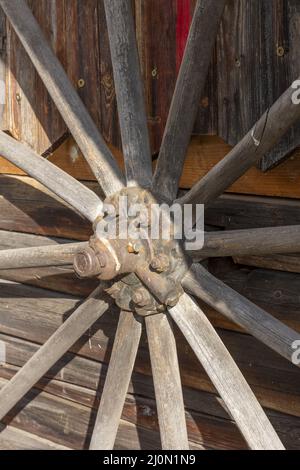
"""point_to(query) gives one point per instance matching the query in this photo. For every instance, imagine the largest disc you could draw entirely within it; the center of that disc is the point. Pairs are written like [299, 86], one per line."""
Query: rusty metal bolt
[280, 51]
[160, 263]
[134, 247]
[88, 264]
[141, 297]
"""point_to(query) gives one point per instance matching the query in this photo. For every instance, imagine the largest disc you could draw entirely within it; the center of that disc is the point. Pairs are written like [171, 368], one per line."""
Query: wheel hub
[136, 235]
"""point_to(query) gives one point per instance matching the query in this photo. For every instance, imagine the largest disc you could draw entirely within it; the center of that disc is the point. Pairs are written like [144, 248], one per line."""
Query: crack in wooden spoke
[66, 98]
[257, 241]
[116, 385]
[263, 326]
[85, 201]
[188, 91]
[167, 383]
[38, 256]
[48, 354]
[129, 91]
[225, 375]
[261, 139]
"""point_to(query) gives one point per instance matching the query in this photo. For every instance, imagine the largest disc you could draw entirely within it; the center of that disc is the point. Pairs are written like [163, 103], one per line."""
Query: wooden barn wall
[256, 58]
[59, 413]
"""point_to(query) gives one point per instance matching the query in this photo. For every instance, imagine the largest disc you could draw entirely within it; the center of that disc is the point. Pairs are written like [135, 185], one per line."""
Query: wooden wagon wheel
[153, 289]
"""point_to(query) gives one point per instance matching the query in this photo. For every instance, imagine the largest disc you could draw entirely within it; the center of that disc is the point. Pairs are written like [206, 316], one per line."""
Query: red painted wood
[182, 28]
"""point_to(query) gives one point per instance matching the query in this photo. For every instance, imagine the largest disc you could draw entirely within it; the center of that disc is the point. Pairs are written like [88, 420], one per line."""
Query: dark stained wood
[268, 130]
[241, 212]
[288, 263]
[189, 87]
[256, 38]
[64, 95]
[156, 25]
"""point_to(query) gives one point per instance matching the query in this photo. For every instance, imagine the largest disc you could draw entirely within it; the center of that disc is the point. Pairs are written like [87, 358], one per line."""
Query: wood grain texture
[288, 263]
[254, 320]
[59, 255]
[256, 39]
[167, 383]
[56, 180]
[258, 241]
[129, 92]
[119, 373]
[260, 139]
[224, 373]
[74, 327]
[203, 153]
[272, 377]
[64, 95]
[189, 87]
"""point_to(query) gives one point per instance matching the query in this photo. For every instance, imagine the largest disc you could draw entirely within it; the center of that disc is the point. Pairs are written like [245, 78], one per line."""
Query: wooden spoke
[261, 139]
[117, 382]
[85, 201]
[225, 375]
[167, 383]
[64, 95]
[258, 241]
[56, 346]
[270, 331]
[188, 91]
[130, 93]
[52, 255]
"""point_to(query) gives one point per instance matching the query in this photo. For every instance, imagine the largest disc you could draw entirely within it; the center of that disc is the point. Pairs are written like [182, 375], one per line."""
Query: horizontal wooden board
[204, 152]
[264, 370]
[287, 263]
[12, 438]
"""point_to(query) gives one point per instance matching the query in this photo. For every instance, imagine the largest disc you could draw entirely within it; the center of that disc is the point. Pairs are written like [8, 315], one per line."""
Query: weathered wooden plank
[263, 136]
[238, 212]
[188, 90]
[64, 95]
[271, 379]
[167, 382]
[240, 401]
[156, 25]
[258, 241]
[287, 263]
[256, 38]
[209, 429]
[129, 92]
[67, 188]
[53, 255]
[16, 439]
[117, 380]
[26, 206]
[52, 350]
[274, 334]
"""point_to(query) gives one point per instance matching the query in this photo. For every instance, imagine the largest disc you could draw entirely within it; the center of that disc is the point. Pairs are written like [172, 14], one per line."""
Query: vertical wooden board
[252, 69]
[156, 34]
[77, 33]
[31, 115]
